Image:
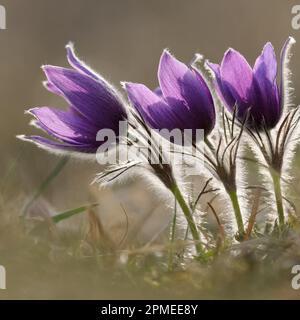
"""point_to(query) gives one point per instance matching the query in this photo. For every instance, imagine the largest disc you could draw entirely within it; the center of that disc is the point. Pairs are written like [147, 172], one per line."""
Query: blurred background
[122, 40]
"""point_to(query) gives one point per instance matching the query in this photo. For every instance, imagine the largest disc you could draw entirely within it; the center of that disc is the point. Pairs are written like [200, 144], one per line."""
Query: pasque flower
[182, 101]
[256, 94]
[93, 105]
[252, 90]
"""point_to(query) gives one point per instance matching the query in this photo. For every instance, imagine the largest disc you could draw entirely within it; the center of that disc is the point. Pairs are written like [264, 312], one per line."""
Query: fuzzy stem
[278, 197]
[233, 197]
[172, 238]
[237, 211]
[189, 218]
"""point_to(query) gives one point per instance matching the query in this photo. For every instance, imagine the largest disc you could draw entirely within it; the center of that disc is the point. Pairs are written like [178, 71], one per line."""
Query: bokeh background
[122, 40]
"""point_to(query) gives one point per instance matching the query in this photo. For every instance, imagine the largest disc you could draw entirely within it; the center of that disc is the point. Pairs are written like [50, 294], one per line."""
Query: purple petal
[152, 108]
[265, 67]
[201, 103]
[66, 126]
[237, 76]
[265, 87]
[52, 88]
[221, 89]
[78, 64]
[53, 145]
[93, 100]
[186, 91]
[158, 91]
[171, 73]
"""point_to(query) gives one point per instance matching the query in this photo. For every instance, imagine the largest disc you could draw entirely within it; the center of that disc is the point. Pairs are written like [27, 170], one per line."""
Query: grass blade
[70, 213]
[44, 185]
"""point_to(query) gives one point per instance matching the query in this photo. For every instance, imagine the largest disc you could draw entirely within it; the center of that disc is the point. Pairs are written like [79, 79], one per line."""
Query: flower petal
[53, 145]
[93, 100]
[158, 92]
[237, 76]
[78, 64]
[185, 91]
[221, 89]
[265, 67]
[171, 73]
[66, 126]
[201, 103]
[267, 104]
[152, 108]
[51, 88]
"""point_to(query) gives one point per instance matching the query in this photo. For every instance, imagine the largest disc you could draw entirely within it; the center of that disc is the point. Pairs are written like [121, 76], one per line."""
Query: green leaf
[68, 214]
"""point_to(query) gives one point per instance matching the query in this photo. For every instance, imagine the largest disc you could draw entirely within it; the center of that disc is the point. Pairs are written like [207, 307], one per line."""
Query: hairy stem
[189, 218]
[278, 197]
[237, 211]
[172, 238]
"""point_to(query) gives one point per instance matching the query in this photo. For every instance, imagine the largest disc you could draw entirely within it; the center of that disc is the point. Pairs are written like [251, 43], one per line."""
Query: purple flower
[182, 101]
[254, 89]
[93, 105]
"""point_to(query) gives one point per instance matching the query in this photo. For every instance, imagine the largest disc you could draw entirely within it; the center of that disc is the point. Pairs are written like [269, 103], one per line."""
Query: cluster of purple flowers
[183, 99]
